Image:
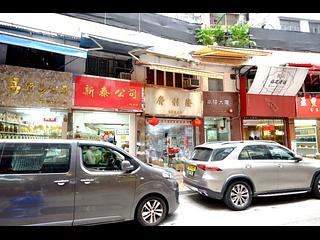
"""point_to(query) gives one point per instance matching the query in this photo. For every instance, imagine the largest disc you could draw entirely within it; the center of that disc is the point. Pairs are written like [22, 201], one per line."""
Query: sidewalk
[178, 175]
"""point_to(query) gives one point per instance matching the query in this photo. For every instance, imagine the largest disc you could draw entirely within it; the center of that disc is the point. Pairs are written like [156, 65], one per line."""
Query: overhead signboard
[107, 93]
[172, 102]
[283, 81]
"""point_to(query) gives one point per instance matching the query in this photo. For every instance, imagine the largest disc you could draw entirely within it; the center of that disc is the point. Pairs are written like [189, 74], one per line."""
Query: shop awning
[276, 80]
[227, 54]
[30, 42]
[110, 45]
[311, 67]
[189, 71]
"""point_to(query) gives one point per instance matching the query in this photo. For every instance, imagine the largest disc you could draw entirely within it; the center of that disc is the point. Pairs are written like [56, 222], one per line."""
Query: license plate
[190, 172]
[192, 168]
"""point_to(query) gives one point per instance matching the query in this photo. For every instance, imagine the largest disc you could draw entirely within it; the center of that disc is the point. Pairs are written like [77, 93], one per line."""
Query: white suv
[236, 171]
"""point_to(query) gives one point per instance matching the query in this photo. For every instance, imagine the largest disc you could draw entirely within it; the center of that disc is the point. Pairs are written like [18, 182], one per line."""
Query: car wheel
[151, 211]
[238, 196]
[316, 187]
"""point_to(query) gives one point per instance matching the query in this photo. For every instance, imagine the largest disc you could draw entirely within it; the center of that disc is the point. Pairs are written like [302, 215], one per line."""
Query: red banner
[308, 106]
[258, 105]
[107, 93]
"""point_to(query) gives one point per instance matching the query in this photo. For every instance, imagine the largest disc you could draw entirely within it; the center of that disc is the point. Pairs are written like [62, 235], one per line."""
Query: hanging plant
[230, 36]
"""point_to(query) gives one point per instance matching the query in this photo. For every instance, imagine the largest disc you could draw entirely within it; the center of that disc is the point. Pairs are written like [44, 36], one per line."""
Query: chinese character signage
[107, 93]
[172, 102]
[308, 106]
[223, 104]
[31, 87]
[283, 81]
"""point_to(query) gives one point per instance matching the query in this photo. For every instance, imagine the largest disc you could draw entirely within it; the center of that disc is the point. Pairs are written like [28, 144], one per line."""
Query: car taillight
[205, 168]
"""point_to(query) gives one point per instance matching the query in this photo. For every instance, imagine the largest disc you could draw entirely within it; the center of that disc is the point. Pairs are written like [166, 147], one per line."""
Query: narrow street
[294, 210]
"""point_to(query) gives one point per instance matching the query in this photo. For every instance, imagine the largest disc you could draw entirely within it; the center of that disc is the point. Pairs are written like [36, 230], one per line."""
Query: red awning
[311, 67]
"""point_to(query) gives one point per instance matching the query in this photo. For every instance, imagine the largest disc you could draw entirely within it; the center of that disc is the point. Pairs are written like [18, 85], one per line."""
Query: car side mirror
[126, 166]
[297, 158]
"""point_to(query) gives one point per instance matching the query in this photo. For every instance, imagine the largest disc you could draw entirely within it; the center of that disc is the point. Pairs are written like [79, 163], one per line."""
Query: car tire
[238, 196]
[316, 187]
[151, 211]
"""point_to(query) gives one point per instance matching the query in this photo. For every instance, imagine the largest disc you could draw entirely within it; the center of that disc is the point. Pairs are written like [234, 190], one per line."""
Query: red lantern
[197, 122]
[153, 121]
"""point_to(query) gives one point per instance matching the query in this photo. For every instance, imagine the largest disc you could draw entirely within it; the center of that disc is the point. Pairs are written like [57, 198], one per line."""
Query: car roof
[58, 141]
[221, 144]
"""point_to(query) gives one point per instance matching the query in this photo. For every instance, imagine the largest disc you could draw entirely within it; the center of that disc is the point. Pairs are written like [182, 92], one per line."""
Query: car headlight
[167, 175]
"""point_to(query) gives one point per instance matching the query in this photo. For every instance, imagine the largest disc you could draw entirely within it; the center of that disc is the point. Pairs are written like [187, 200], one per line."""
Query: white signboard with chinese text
[283, 81]
[171, 102]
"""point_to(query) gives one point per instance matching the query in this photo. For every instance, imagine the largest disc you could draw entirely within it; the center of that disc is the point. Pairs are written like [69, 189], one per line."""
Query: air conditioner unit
[191, 83]
[124, 75]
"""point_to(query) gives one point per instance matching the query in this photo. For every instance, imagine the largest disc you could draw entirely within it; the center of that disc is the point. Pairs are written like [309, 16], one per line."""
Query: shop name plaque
[171, 102]
[34, 87]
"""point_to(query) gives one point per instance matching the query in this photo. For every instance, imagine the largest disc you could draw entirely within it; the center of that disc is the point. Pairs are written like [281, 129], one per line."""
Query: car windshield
[204, 154]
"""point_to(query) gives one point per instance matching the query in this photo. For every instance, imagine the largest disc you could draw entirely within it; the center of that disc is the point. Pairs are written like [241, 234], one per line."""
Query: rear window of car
[201, 154]
[221, 153]
[204, 154]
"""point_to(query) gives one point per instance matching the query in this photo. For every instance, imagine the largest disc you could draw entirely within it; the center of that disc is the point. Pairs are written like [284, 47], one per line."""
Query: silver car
[236, 171]
[72, 182]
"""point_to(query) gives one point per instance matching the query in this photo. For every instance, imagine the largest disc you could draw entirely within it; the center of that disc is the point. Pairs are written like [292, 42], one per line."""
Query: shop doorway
[264, 129]
[102, 126]
[216, 129]
[306, 143]
[169, 143]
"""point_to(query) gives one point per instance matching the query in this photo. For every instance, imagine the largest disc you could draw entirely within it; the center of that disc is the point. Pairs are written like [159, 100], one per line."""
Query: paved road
[293, 210]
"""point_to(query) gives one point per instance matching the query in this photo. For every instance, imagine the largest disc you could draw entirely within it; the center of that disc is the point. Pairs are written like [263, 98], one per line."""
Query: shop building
[268, 102]
[220, 116]
[34, 103]
[105, 109]
[305, 131]
[171, 139]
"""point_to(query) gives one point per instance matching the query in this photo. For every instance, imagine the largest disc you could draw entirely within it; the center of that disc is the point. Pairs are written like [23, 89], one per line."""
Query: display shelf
[22, 133]
[306, 135]
[305, 128]
[15, 123]
[307, 148]
[306, 142]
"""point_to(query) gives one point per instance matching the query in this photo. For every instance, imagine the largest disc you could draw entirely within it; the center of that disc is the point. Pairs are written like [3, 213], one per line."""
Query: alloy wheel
[319, 185]
[152, 211]
[240, 195]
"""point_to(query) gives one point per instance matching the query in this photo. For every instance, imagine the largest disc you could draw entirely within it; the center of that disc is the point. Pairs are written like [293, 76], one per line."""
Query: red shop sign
[107, 93]
[258, 105]
[308, 106]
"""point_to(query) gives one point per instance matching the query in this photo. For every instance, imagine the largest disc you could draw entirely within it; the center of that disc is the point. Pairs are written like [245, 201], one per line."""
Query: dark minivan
[75, 182]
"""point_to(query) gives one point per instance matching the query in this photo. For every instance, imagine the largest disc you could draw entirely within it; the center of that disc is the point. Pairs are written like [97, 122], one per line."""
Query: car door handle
[61, 182]
[280, 165]
[87, 180]
[248, 166]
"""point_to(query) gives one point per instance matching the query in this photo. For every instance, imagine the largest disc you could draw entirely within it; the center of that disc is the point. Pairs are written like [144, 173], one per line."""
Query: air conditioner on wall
[124, 75]
[191, 83]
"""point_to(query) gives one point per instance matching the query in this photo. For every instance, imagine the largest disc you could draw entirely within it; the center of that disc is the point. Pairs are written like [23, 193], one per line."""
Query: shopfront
[34, 103]
[105, 109]
[221, 117]
[268, 102]
[266, 117]
[170, 135]
[306, 134]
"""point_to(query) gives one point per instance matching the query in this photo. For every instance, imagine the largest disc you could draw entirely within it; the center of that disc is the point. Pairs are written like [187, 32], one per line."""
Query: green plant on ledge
[229, 36]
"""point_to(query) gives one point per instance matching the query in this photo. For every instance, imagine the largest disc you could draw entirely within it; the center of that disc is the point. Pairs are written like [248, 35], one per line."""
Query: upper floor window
[290, 25]
[34, 58]
[215, 84]
[107, 67]
[314, 27]
[168, 79]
